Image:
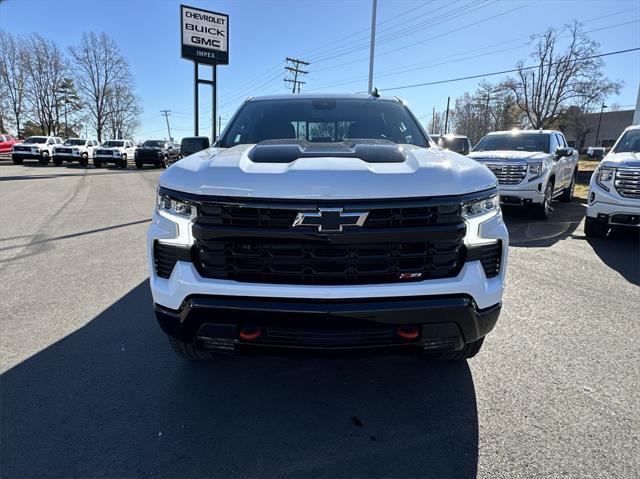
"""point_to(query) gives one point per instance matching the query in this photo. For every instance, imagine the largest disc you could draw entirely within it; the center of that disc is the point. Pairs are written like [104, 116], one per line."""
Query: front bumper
[63, 157]
[421, 323]
[611, 209]
[527, 194]
[149, 160]
[26, 156]
[108, 159]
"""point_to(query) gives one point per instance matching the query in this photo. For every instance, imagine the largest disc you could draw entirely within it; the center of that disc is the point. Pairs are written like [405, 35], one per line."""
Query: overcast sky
[420, 41]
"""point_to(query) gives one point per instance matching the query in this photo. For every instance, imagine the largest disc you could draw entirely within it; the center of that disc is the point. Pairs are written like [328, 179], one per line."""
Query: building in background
[611, 127]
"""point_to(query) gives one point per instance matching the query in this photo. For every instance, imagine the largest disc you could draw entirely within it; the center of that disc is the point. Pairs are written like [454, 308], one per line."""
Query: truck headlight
[604, 176]
[173, 206]
[481, 207]
[535, 169]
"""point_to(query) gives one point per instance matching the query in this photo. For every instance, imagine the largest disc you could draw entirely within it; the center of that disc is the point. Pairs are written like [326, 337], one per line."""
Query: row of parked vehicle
[54, 149]
[535, 167]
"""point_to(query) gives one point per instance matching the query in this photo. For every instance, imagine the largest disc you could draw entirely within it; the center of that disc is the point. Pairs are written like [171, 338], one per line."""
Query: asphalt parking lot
[90, 388]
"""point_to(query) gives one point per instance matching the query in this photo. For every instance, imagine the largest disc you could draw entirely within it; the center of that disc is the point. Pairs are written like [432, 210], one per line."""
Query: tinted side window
[561, 141]
[554, 143]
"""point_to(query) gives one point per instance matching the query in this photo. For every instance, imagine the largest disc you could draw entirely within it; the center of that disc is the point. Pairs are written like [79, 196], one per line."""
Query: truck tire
[467, 352]
[138, 165]
[17, 161]
[187, 351]
[57, 162]
[97, 163]
[44, 158]
[567, 194]
[84, 160]
[123, 162]
[595, 228]
[163, 163]
[544, 211]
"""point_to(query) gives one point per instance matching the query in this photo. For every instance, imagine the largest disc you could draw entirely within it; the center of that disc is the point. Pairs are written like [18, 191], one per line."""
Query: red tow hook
[408, 332]
[250, 333]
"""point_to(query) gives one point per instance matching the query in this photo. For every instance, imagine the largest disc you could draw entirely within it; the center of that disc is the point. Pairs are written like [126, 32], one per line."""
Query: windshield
[36, 139]
[323, 121]
[629, 142]
[154, 143]
[113, 143]
[514, 142]
[455, 144]
[75, 142]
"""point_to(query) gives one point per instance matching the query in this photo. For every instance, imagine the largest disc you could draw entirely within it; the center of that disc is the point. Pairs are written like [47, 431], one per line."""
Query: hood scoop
[288, 151]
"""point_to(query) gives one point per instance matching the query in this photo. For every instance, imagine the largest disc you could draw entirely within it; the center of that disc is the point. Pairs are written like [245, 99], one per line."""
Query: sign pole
[196, 114]
[373, 45]
[214, 116]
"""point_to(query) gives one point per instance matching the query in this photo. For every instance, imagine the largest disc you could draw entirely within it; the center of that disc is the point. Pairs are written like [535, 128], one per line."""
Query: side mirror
[563, 152]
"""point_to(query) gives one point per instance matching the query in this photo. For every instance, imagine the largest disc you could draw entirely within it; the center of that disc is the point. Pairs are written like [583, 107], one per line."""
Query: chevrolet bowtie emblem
[330, 220]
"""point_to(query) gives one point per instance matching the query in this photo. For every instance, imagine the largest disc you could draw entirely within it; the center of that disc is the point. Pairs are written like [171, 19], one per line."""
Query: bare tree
[47, 69]
[558, 80]
[492, 107]
[123, 112]
[13, 78]
[101, 70]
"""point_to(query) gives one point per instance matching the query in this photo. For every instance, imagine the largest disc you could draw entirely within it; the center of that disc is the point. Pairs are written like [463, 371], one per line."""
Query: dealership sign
[204, 35]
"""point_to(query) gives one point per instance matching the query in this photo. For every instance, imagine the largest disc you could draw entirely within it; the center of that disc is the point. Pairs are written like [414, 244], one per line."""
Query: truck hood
[230, 172]
[512, 156]
[622, 160]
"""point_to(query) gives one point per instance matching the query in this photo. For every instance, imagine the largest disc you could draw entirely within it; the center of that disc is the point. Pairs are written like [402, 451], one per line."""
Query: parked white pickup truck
[114, 151]
[614, 191]
[533, 167]
[327, 222]
[35, 148]
[74, 149]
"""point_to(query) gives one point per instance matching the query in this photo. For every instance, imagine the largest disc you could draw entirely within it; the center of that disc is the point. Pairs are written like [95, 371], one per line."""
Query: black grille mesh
[283, 257]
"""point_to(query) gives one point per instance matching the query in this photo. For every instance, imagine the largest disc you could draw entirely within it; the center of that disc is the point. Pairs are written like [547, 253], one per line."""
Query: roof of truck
[336, 96]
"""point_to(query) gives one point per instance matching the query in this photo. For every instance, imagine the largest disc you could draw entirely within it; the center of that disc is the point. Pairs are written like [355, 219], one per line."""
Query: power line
[502, 72]
[295, 70]
[434, 62]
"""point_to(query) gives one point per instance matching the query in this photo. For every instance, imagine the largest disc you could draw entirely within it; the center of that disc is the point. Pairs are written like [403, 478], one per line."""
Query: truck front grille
[400, 241]
[22, 148]
[628, 182]
[284, 262]
[104, 152]
[508, 174]
[147, 154]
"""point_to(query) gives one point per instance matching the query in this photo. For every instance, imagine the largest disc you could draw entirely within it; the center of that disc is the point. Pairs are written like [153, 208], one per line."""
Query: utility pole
[433, 120]
[599, 121]
[295, 70]
[372, 47]
[446, 118]
[166, 117]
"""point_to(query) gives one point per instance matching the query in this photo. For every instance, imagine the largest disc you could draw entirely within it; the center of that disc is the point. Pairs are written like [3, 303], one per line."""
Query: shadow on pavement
[621, 252]
[525, 231]
[111, 400]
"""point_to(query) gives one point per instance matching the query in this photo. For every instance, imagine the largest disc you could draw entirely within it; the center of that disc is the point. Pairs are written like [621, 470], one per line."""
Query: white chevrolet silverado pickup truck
[614, 191]
[533, 167]
[74, 149]
[35, 148]
[327, 222]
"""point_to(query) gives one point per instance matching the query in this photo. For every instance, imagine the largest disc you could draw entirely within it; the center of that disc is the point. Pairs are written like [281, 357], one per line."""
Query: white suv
[533, 167]
[35, 148]
[74, 149]
[116, 152]
[614, 191]
[327, 222]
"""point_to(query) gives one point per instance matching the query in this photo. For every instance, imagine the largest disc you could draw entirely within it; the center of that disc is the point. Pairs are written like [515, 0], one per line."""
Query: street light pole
[373, 44]
[599, 121]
